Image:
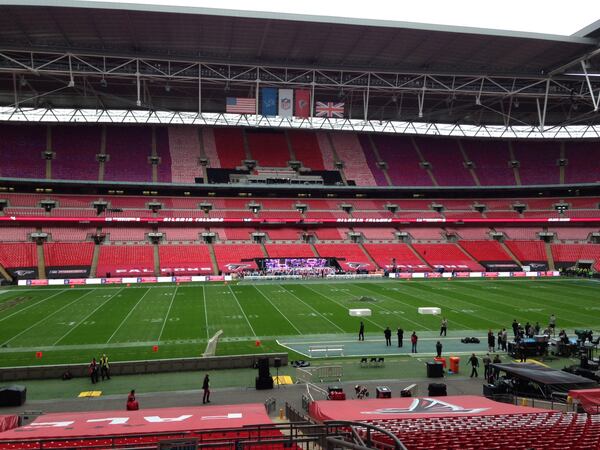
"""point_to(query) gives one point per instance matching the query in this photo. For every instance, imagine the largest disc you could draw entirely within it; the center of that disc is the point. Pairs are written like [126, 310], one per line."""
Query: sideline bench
[337, 350]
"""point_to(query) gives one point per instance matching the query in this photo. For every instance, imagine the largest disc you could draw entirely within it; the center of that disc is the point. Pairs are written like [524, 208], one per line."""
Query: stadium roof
[287, 39]
[61, 54]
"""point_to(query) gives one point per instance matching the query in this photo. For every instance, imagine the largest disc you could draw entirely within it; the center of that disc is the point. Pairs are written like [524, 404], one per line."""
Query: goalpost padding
[211, 347]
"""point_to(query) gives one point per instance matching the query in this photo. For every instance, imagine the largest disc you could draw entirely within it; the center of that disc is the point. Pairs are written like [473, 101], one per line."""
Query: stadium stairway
[466, 253]
[422, 159]
[371, 259]
[314, 249]
[466, 159]
[549, 256]
[416, 253]
[41, 262]
[94, 266]
[376, 153]
[213, 259]
[156, 259]
[511, 254]
[5, 274]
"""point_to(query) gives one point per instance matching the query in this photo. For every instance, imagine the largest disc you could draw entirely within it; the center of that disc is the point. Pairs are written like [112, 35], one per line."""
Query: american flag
[241, 105]
[329, 109]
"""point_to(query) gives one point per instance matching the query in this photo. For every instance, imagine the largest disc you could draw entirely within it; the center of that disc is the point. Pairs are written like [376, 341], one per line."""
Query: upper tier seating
[424, 234]
[180, 148]
[574, 233]
[352, 255]
[128, 149]
[306, 149]
[184, 148]
[330, 234]
[583, 162]
[448, 256]
[68, 254]
[122, 260]
[185, 259]
[402, 160]
[447, 163]
[268, 147]
[289, 251]
[470, 233]
[76, 148]
[572, 253]
[229, 143]
[18, 255]
[163, 172]
[372, 159]
[233, 258]
[491, 159]
[528, 251]
[519, 233]
[485, 250]
[21, 150]
[538, 161]
[348, 149]
[406, 260]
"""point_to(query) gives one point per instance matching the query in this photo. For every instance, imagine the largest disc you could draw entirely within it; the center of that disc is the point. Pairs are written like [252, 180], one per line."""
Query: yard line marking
[343, 306]
[205, 311]
[31, 306]
[242, 309]
[127, 316]
[86, 317]
[331, 322]
[278, 310]
[167, 316]
[411, 306]
[48, 316]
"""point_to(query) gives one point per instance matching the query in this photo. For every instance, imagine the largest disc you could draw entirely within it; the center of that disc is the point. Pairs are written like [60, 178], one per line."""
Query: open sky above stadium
[549, 17]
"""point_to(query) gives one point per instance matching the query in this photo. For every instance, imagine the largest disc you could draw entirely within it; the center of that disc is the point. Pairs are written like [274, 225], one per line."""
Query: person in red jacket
[413, 340]
[132, 403]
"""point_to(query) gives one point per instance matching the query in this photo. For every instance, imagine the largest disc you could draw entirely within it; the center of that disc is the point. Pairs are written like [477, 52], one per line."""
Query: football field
[168, 321]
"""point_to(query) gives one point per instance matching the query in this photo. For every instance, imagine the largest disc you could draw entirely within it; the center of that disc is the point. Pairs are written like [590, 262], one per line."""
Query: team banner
[302, 104]
[329, 109]
[268, 101]
[286, 102]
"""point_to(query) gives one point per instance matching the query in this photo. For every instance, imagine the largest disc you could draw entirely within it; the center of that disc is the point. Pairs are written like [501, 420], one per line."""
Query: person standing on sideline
[504, 339]
[132, 403]
[486, 365]
[104, 367]
[438, 349]
[496, 360]
[499, 341]
[444, 326]
[522, 352]
[491, 341]
[474, 365]
[515, 327]
[400, 334]
[206, 389]
[361, 332]
[413, 340]
[552, 324]
[93, 371]
[388, 337]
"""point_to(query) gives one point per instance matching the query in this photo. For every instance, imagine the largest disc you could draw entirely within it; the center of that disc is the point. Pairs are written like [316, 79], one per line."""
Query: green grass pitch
[73, 325]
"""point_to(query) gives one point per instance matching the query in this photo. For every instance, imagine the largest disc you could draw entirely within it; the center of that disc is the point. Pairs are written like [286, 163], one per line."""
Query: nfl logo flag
[329, 109]
[286, 102]
[240, 105]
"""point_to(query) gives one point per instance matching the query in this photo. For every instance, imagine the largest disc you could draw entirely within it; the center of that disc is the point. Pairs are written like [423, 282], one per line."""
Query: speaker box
[263, 368]
[437, 390]
[13, 395]
[262, 383]
[277, 362]
[435, 370]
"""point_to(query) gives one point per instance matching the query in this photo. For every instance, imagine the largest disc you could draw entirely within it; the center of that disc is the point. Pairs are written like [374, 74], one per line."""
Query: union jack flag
[329, 109]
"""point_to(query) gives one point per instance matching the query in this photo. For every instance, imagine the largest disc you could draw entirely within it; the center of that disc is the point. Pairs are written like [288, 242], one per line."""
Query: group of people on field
[387, 334]
[98, 369]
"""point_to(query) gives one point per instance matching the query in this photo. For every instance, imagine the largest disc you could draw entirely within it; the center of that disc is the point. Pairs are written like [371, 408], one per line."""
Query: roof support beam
[589, 83]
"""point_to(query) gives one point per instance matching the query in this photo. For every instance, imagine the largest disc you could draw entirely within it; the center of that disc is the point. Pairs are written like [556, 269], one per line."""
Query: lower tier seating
[234, 258]
[185, 259]
[406, 260]
[447, 256]
[122, 260]
[68, 254]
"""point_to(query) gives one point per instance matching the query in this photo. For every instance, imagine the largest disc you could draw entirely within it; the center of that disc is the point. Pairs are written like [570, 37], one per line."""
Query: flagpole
[312, 101]
[256, 95]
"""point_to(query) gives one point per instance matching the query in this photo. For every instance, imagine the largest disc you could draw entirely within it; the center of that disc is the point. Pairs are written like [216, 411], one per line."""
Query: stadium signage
[296, 220]
[203, 278]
